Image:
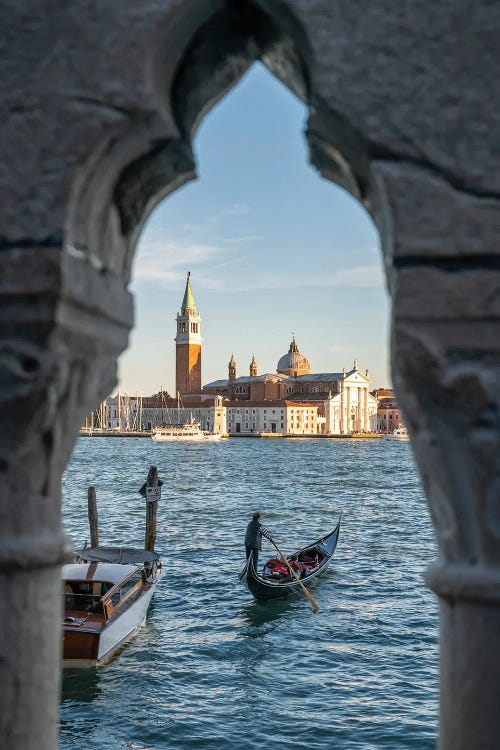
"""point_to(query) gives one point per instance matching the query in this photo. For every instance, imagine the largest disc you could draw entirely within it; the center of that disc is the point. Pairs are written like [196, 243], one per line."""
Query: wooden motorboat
[107, 592]
[275, 581]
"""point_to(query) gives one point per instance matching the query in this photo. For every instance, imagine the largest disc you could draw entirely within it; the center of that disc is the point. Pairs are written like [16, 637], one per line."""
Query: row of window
[183, 327]
[247, 411]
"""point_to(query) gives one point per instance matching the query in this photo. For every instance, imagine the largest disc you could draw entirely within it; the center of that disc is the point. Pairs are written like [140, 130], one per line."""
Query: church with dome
[291, 401]
[342, 399]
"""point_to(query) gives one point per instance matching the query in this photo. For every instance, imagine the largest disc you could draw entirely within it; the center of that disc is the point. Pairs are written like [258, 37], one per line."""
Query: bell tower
[253, 367]
[232, 368]
[188, 345]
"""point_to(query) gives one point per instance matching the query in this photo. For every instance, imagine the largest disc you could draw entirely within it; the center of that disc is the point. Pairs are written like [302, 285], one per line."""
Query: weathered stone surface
[426, 292]
[62, 325]
[469, 637]
[408, 101]
[98, 103]
[434, 220]
[408, 76]
[37, 681]
[448, 387]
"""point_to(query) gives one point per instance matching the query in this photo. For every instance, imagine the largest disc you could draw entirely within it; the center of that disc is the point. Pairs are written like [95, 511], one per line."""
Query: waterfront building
[343, 401]
[389, 415]
[272, 416]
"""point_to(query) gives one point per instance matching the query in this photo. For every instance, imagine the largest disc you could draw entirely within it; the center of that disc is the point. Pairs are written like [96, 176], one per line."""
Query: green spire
[188, 301]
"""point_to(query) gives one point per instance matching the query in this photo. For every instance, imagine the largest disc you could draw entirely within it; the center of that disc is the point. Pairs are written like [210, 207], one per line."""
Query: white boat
[400, 434]
[107, 592]
[188, 432]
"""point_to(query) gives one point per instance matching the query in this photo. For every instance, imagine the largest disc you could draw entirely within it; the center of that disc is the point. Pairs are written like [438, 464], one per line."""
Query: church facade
[342, 400]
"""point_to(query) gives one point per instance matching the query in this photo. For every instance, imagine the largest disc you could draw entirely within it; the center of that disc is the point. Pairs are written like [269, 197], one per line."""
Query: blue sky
[273, 249]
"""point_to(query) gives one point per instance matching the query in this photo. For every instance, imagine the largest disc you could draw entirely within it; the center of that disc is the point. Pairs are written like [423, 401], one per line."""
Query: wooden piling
[151, 510]
[93, 517]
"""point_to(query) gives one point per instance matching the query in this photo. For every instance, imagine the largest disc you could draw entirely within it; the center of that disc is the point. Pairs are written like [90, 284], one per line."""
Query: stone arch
[196, 61]
[126, 144]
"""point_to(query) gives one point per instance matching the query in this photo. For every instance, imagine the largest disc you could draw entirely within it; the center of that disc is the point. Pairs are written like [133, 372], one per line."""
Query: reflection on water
[215, 669]
[257, 615]
[80, 685]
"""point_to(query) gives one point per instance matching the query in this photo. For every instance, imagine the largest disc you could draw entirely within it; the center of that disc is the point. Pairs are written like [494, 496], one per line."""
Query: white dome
[293, 361]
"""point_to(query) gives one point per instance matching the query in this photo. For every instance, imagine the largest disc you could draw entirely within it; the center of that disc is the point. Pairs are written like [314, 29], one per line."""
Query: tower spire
[188, 304]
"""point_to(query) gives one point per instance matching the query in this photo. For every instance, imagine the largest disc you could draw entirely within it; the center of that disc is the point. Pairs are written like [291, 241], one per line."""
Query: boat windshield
[85, 596]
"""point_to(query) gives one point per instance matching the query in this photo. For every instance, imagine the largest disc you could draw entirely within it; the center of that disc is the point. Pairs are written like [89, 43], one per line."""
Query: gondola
[275, 580]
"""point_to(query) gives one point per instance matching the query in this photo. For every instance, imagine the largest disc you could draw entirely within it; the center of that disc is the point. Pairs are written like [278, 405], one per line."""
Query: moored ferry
[188, 432]
[399, 433]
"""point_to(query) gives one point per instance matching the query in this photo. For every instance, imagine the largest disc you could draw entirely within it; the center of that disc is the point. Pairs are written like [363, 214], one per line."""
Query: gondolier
[253, 538]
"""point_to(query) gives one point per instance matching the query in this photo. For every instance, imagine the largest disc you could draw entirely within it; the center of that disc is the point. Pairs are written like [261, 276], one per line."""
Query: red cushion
[277, 566]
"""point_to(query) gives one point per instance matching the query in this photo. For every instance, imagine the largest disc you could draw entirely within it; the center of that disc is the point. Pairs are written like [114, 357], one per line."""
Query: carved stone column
[359, 425]
[445, 284]
[62, 325]
[342, 407]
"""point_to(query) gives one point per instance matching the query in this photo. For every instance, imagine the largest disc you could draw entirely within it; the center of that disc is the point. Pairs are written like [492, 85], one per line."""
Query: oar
[294, 574]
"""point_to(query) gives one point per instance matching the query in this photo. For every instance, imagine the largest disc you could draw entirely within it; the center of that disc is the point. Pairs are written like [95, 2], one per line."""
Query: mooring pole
[151, 509]
[93, 517]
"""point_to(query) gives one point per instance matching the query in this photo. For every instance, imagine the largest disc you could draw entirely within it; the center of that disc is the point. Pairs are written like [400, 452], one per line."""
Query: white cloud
[367, 276]
[241, 240]
[236, 209]
[167, 261]
[360, 276]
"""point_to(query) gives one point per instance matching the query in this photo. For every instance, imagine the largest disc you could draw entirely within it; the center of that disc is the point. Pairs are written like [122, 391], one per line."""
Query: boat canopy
[122, 555]
[110, 573]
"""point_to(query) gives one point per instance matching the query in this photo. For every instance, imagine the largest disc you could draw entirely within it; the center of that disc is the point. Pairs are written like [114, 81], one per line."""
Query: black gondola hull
[264, 589]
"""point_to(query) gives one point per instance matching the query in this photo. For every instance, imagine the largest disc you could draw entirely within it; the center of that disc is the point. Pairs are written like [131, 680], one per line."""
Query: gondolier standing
[253, 538]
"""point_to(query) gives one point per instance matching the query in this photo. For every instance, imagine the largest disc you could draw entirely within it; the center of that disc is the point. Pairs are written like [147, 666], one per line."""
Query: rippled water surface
[214, 669]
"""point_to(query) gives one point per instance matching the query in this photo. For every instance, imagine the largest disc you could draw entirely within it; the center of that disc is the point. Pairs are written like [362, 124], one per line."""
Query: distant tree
[162, 395]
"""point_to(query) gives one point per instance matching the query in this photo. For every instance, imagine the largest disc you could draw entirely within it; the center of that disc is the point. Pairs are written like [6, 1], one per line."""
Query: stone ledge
[464, 582]
[434, 293]
[33, 551]
[431, 219]
[30, 270]
[60, 280]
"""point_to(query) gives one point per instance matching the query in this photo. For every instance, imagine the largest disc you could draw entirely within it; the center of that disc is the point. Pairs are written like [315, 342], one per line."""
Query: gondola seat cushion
[278, 567]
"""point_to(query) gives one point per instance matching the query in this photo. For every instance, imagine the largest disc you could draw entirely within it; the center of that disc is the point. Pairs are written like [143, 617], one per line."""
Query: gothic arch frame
[68, 312]
[212, 45]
